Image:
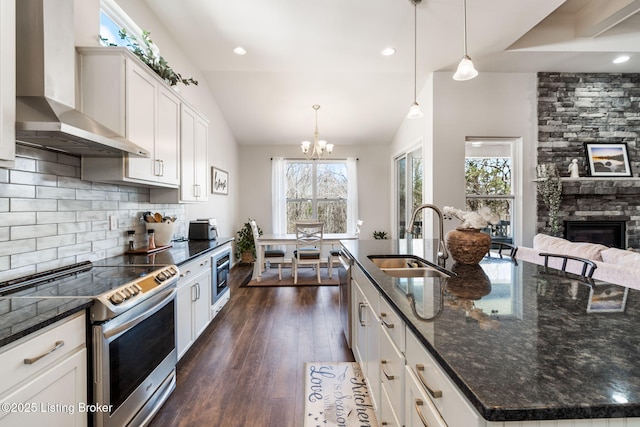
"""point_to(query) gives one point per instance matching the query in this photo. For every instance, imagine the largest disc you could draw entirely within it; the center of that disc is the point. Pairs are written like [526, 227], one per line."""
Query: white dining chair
[335, 253]
[270, 255]
[308, 247]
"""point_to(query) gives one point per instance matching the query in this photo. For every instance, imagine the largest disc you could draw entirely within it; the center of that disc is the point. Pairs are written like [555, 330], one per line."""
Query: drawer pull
[389, 377]
[361, 305]
[436, 394]
[384, 322]
[186, 273]
[417, 404]
[32, 360]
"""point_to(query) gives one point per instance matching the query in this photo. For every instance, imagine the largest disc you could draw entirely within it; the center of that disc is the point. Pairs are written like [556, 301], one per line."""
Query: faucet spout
[442, 253]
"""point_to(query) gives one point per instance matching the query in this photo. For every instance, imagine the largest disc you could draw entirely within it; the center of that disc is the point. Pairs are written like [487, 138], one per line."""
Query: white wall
[492, 104]
[223, 150]
[373, 186]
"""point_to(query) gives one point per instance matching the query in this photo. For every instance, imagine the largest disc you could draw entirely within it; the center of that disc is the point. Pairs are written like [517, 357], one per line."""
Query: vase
[468, 245]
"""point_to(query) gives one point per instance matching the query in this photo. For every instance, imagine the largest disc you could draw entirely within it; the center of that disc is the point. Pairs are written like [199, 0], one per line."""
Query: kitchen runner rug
[306, 277]
[336, 394]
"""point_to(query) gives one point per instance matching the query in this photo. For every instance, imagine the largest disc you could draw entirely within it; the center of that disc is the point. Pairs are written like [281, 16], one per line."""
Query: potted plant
[245, 245]
[380, 235]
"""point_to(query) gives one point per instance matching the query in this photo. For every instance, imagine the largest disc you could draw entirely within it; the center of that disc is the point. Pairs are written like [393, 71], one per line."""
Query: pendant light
[320, 149]
[466, 70]
[414, 111]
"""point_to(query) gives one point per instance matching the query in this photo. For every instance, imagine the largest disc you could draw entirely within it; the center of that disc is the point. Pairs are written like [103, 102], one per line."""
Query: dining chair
[270, 255]
[308, 246]
[500, 246]
[335, 253]
[588, 266]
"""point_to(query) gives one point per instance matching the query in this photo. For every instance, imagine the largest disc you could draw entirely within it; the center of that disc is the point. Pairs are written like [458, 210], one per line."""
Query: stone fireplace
[608, 233]
[592, 107]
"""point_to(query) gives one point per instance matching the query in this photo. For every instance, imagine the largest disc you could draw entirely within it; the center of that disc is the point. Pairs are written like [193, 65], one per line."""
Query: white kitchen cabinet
[194, 161]
[7, 83]
[366, 339]
[123, 94]
[44, 377]
[193, 302]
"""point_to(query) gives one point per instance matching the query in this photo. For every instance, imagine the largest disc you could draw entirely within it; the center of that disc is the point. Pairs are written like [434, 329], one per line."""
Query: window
[409, 178]
[318, 190]
[112, 20]
[489, 176]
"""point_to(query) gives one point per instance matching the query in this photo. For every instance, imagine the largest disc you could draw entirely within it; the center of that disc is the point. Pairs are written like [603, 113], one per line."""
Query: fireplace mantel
[608, 186]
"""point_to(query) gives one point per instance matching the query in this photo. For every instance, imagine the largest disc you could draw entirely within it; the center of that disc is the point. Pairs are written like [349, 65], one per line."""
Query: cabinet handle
[417, 404]
[32, 360]
[198, 289]
[161, 167]
[196, 190]
[195, 287]
[384, 322]
[156, 168]
[203, 263]
[436, 394]
[361, 305]
[185, 274]
[389, 377]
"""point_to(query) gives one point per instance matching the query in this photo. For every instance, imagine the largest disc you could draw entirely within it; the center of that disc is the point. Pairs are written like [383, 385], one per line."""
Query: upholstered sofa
[614, 265]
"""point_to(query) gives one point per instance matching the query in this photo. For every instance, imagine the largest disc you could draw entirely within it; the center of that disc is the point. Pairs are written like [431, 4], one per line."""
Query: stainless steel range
[132, 325]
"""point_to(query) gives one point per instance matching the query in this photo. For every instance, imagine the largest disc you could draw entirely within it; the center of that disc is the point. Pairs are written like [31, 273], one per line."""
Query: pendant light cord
[464, 20]
[415, 50]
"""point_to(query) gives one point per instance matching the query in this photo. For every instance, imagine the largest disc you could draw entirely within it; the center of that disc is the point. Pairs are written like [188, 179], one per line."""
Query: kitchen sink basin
[408, 266]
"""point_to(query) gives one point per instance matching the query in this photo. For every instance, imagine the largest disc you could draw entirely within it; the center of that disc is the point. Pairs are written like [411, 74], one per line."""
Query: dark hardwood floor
[246, 369]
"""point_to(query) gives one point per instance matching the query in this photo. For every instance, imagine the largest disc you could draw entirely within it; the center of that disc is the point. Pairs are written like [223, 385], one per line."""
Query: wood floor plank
[247, 367]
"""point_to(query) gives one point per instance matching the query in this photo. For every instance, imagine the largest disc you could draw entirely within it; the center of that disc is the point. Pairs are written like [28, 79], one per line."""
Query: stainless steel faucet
[442, 253]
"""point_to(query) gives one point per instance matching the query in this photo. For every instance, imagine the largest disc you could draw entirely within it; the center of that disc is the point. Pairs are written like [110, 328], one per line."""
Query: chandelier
[320, 149]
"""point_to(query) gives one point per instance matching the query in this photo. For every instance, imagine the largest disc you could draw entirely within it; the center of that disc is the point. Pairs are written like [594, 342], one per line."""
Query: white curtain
[278, 195]
[352, 194]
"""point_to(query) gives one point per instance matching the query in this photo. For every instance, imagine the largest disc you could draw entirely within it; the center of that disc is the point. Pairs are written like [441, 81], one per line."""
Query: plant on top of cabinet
[148, 56]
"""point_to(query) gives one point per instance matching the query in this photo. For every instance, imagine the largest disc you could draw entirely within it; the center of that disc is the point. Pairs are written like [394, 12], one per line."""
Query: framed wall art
[219, 181]
[608, 160]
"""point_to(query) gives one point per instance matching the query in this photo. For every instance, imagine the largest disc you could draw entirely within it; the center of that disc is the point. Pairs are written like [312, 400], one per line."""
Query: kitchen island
[519, 342]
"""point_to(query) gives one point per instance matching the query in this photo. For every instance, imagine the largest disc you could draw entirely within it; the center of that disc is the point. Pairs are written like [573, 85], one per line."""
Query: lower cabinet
[193, 302]
[44, 377]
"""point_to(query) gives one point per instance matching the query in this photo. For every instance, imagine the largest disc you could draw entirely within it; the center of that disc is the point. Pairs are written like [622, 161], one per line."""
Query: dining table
[289, 239]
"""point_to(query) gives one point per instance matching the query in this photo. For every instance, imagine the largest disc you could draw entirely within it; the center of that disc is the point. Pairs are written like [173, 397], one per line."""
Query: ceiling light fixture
[466, 70]
[320, 148]
[239, 50]
[414, 110]
[620, 59]
[388, 51]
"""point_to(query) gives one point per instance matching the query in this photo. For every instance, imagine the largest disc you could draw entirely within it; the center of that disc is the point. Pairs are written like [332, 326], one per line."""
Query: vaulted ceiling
[327, 52]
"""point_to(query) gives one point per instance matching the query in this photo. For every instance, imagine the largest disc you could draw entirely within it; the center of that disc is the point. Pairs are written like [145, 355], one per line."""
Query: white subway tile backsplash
[17, 218]
[20, 232]
[35, 257]
[50, 218]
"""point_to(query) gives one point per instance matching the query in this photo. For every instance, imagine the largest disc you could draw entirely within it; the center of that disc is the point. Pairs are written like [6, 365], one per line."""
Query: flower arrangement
[479, 219]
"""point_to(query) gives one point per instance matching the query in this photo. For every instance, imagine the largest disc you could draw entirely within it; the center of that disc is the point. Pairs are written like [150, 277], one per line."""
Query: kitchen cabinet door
[168, 136]
[7, 83]
[201, 297]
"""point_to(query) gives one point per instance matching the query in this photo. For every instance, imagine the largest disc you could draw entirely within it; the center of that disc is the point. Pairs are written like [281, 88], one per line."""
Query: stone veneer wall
[50, 218]
[577, 108]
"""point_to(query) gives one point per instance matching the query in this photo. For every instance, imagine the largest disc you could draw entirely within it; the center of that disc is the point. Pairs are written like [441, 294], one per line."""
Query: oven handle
[142, 316]
[223, 265]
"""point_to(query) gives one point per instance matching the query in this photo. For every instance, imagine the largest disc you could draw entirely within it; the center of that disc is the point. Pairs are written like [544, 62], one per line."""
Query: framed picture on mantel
[608, 160]
[219, 181]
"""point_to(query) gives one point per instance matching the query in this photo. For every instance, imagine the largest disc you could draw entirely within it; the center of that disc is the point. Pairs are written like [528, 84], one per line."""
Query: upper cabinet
[7, 83]
[123, 94]
[194, 140]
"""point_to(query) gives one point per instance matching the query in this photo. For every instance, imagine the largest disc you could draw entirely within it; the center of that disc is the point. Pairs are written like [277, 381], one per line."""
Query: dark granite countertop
[28, 311]
[520, 342]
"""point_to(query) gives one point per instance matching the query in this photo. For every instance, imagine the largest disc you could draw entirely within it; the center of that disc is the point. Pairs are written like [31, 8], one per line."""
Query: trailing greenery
[146, 53]
[244, 241]
[550, 189]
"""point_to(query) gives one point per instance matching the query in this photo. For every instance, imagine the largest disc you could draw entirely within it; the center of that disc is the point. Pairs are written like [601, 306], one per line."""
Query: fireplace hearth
[608, 233]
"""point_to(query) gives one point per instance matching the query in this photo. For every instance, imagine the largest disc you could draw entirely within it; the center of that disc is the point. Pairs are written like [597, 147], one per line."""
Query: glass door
[409, 178]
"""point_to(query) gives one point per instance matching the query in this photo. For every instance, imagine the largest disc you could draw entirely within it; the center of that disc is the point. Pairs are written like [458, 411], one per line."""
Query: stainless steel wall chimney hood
[45, 86]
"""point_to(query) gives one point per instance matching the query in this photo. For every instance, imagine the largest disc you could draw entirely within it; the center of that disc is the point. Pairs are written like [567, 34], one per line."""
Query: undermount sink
[408, 266]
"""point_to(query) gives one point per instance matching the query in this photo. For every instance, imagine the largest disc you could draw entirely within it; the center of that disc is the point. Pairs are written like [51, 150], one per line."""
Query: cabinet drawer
[392, 371]
[392, 324]
[419, 409]
[444, 394]
[52, 343]
[388, 415]
[194, 267]
[368, 289]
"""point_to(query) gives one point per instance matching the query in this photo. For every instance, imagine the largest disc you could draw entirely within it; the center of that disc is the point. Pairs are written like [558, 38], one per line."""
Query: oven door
[134, 362]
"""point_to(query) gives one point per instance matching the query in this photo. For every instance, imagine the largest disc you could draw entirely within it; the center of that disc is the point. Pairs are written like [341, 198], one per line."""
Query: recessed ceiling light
[388, 51]
[239, 50]
[620, 59]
